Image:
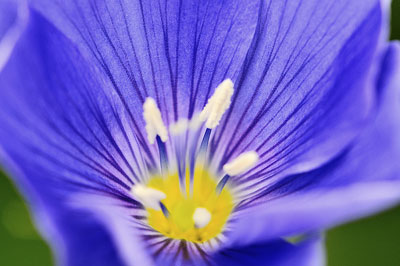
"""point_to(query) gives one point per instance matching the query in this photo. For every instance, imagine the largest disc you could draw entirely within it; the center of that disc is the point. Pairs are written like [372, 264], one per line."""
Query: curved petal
[310, 252]
[60, 112]
[317, 209]
[363, 180]
[175, 51]
[55, 139]
[115, 218]
[63, 226]
[306, 88]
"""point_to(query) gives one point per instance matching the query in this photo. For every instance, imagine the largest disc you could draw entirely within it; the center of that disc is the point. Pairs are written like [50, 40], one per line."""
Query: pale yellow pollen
[149, 197]
[242, 163]
[154, 123]
[217, 104]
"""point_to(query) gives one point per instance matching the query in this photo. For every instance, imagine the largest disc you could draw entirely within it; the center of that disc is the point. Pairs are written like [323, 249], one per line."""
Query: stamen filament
[163, 156]
[164, 210]
[222, 183]
[238, 166]
[202, 154]
[204, 142]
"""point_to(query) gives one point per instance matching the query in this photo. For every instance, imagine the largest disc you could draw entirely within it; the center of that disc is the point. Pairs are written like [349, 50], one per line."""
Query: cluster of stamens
[190, 203]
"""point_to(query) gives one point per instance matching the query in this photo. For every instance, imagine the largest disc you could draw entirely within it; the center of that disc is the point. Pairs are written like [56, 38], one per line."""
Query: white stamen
[154, 123]
[242, 163]
[201, 217]
[149, 197]
[217, 104]
[179, 127]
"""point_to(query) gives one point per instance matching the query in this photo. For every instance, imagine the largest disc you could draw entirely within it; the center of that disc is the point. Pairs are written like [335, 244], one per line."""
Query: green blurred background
[374, 241]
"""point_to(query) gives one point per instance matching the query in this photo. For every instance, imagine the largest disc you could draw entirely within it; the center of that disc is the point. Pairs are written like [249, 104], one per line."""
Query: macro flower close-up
[198, 132]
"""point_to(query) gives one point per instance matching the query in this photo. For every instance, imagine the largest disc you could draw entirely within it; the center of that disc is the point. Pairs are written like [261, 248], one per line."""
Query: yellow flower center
[183, 202]
[191, 205]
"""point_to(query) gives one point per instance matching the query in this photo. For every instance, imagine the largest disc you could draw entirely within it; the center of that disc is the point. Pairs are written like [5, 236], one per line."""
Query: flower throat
[187, 200]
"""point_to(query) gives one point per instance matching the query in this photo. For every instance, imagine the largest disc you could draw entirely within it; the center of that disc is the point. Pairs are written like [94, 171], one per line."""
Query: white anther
[217, 104]
[242, 163]
[149, 197]
[179, 127]
[201, 217]
[154, 123]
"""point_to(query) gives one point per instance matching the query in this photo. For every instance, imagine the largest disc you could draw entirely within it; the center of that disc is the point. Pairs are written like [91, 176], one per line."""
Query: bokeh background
[374, 241]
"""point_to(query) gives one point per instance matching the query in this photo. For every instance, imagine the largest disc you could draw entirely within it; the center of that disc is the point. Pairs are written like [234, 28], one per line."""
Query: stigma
[186, 196]
[201, 217]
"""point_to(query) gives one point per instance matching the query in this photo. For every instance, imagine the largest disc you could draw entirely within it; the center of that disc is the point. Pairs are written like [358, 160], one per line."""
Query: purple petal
[306, 89]
[317, 209]
[118, 223]
[174, 51]
[363, 180]
[276, 253]
[50, 106]
[76, 237]
[80, 116]
[301, 83]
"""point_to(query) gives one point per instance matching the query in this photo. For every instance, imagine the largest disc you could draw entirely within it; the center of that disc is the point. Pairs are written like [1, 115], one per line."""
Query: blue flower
[198, 132]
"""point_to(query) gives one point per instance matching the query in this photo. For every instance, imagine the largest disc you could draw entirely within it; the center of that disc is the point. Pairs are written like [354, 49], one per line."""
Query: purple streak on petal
[305, 88]
[59, 128]
[60, 115]
[370, 157]
[361, 181]
[175, 51]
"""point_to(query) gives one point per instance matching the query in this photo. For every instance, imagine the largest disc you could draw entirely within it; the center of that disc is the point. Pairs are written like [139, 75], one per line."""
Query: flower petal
[300, 83]
[310, 252]
[174, 51]
[305, 90]
[317, 209]
[56, 138]
[116, 220]
[61, 116]
[361, 181]
[63, 226]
